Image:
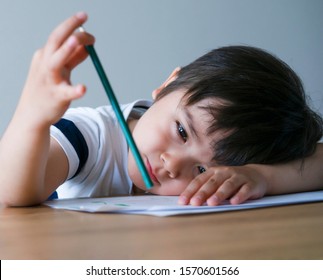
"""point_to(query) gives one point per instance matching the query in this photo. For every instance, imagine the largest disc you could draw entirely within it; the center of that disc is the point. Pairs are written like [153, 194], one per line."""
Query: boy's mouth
[151, 173]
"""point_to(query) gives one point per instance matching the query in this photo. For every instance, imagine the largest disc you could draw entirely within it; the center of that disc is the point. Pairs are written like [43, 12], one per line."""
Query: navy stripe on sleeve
[74, 135]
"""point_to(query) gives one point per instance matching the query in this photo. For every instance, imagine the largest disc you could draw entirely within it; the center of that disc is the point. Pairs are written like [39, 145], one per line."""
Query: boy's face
[173, 144]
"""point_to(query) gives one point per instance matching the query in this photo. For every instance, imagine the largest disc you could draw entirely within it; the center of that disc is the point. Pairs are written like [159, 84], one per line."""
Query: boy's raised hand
[32, 167]
[236, 183]
[48, 91]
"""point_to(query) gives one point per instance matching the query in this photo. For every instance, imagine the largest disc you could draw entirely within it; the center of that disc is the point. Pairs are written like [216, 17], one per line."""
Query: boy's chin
[138, 185]
[143, 189]
[138, 190]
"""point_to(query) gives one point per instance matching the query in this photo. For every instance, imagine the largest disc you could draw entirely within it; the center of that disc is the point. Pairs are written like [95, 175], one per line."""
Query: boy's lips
[151, 173]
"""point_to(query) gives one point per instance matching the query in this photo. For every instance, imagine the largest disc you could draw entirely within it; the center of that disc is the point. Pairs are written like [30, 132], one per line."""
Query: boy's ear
[171, 78]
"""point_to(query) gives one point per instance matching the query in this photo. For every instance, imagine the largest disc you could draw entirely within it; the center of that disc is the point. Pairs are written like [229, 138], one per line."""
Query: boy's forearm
[294, 177]
[23, 156]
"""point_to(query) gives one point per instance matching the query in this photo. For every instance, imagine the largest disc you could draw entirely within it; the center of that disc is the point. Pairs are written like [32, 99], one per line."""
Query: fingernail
[196, 201]
[81, 15]
[182, 200]
[213, 200]
[235, 201]
[80, 89]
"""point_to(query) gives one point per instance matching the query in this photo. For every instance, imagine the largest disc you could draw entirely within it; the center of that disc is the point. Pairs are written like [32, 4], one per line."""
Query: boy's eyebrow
[190, 123]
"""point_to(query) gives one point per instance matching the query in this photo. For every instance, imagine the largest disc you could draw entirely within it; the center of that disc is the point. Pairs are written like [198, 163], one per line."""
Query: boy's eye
[201, 169]
[181, 132]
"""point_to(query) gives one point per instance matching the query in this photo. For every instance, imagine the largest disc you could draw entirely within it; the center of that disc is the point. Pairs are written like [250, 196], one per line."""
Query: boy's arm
[295, 177]
[32, 165]
[239, 183]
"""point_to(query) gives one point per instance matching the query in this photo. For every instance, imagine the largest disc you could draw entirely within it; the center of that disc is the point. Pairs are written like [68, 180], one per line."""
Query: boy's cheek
[133, 171]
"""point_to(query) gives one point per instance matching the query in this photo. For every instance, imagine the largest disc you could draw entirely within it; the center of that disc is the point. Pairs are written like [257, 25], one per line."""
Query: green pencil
[115, 105]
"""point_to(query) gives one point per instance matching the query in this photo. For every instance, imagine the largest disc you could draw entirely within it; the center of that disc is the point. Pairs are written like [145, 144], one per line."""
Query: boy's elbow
[19, 201]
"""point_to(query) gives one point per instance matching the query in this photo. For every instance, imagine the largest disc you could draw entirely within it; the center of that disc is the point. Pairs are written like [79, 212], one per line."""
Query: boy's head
[233, 106]
[262, 106]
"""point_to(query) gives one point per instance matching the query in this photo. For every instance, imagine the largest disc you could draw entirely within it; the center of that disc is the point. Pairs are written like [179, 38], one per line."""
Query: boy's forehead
[198, 121]
[187, 100]
[199, 110]
[201, 118]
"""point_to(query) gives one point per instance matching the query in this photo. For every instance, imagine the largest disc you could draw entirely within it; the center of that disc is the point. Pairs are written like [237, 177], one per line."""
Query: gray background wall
[141, 41]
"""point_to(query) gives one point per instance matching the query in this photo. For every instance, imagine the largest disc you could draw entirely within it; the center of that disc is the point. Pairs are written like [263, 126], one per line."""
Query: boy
[233, 106]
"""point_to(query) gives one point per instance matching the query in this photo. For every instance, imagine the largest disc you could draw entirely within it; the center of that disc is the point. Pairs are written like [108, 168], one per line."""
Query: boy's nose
[172, 164]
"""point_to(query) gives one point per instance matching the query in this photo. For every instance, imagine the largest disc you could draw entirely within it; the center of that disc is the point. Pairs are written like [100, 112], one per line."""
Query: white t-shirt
[96, 149]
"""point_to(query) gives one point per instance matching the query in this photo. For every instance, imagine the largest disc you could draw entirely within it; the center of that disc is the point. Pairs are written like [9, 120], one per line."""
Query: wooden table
[287, 232]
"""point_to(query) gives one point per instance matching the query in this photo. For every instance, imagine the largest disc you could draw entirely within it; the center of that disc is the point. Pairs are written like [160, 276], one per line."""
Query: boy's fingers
[80, 53]
[191, 189]
[202, 186]
[225, 191]
[246, 192]
[214, 192]
[72, 51]
[78, 56]
[205, 191]
[64, 30]
[68, 93]
[242, 195]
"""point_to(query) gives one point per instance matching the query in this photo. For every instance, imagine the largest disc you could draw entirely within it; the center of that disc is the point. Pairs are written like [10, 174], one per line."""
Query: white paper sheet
[167, 205]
